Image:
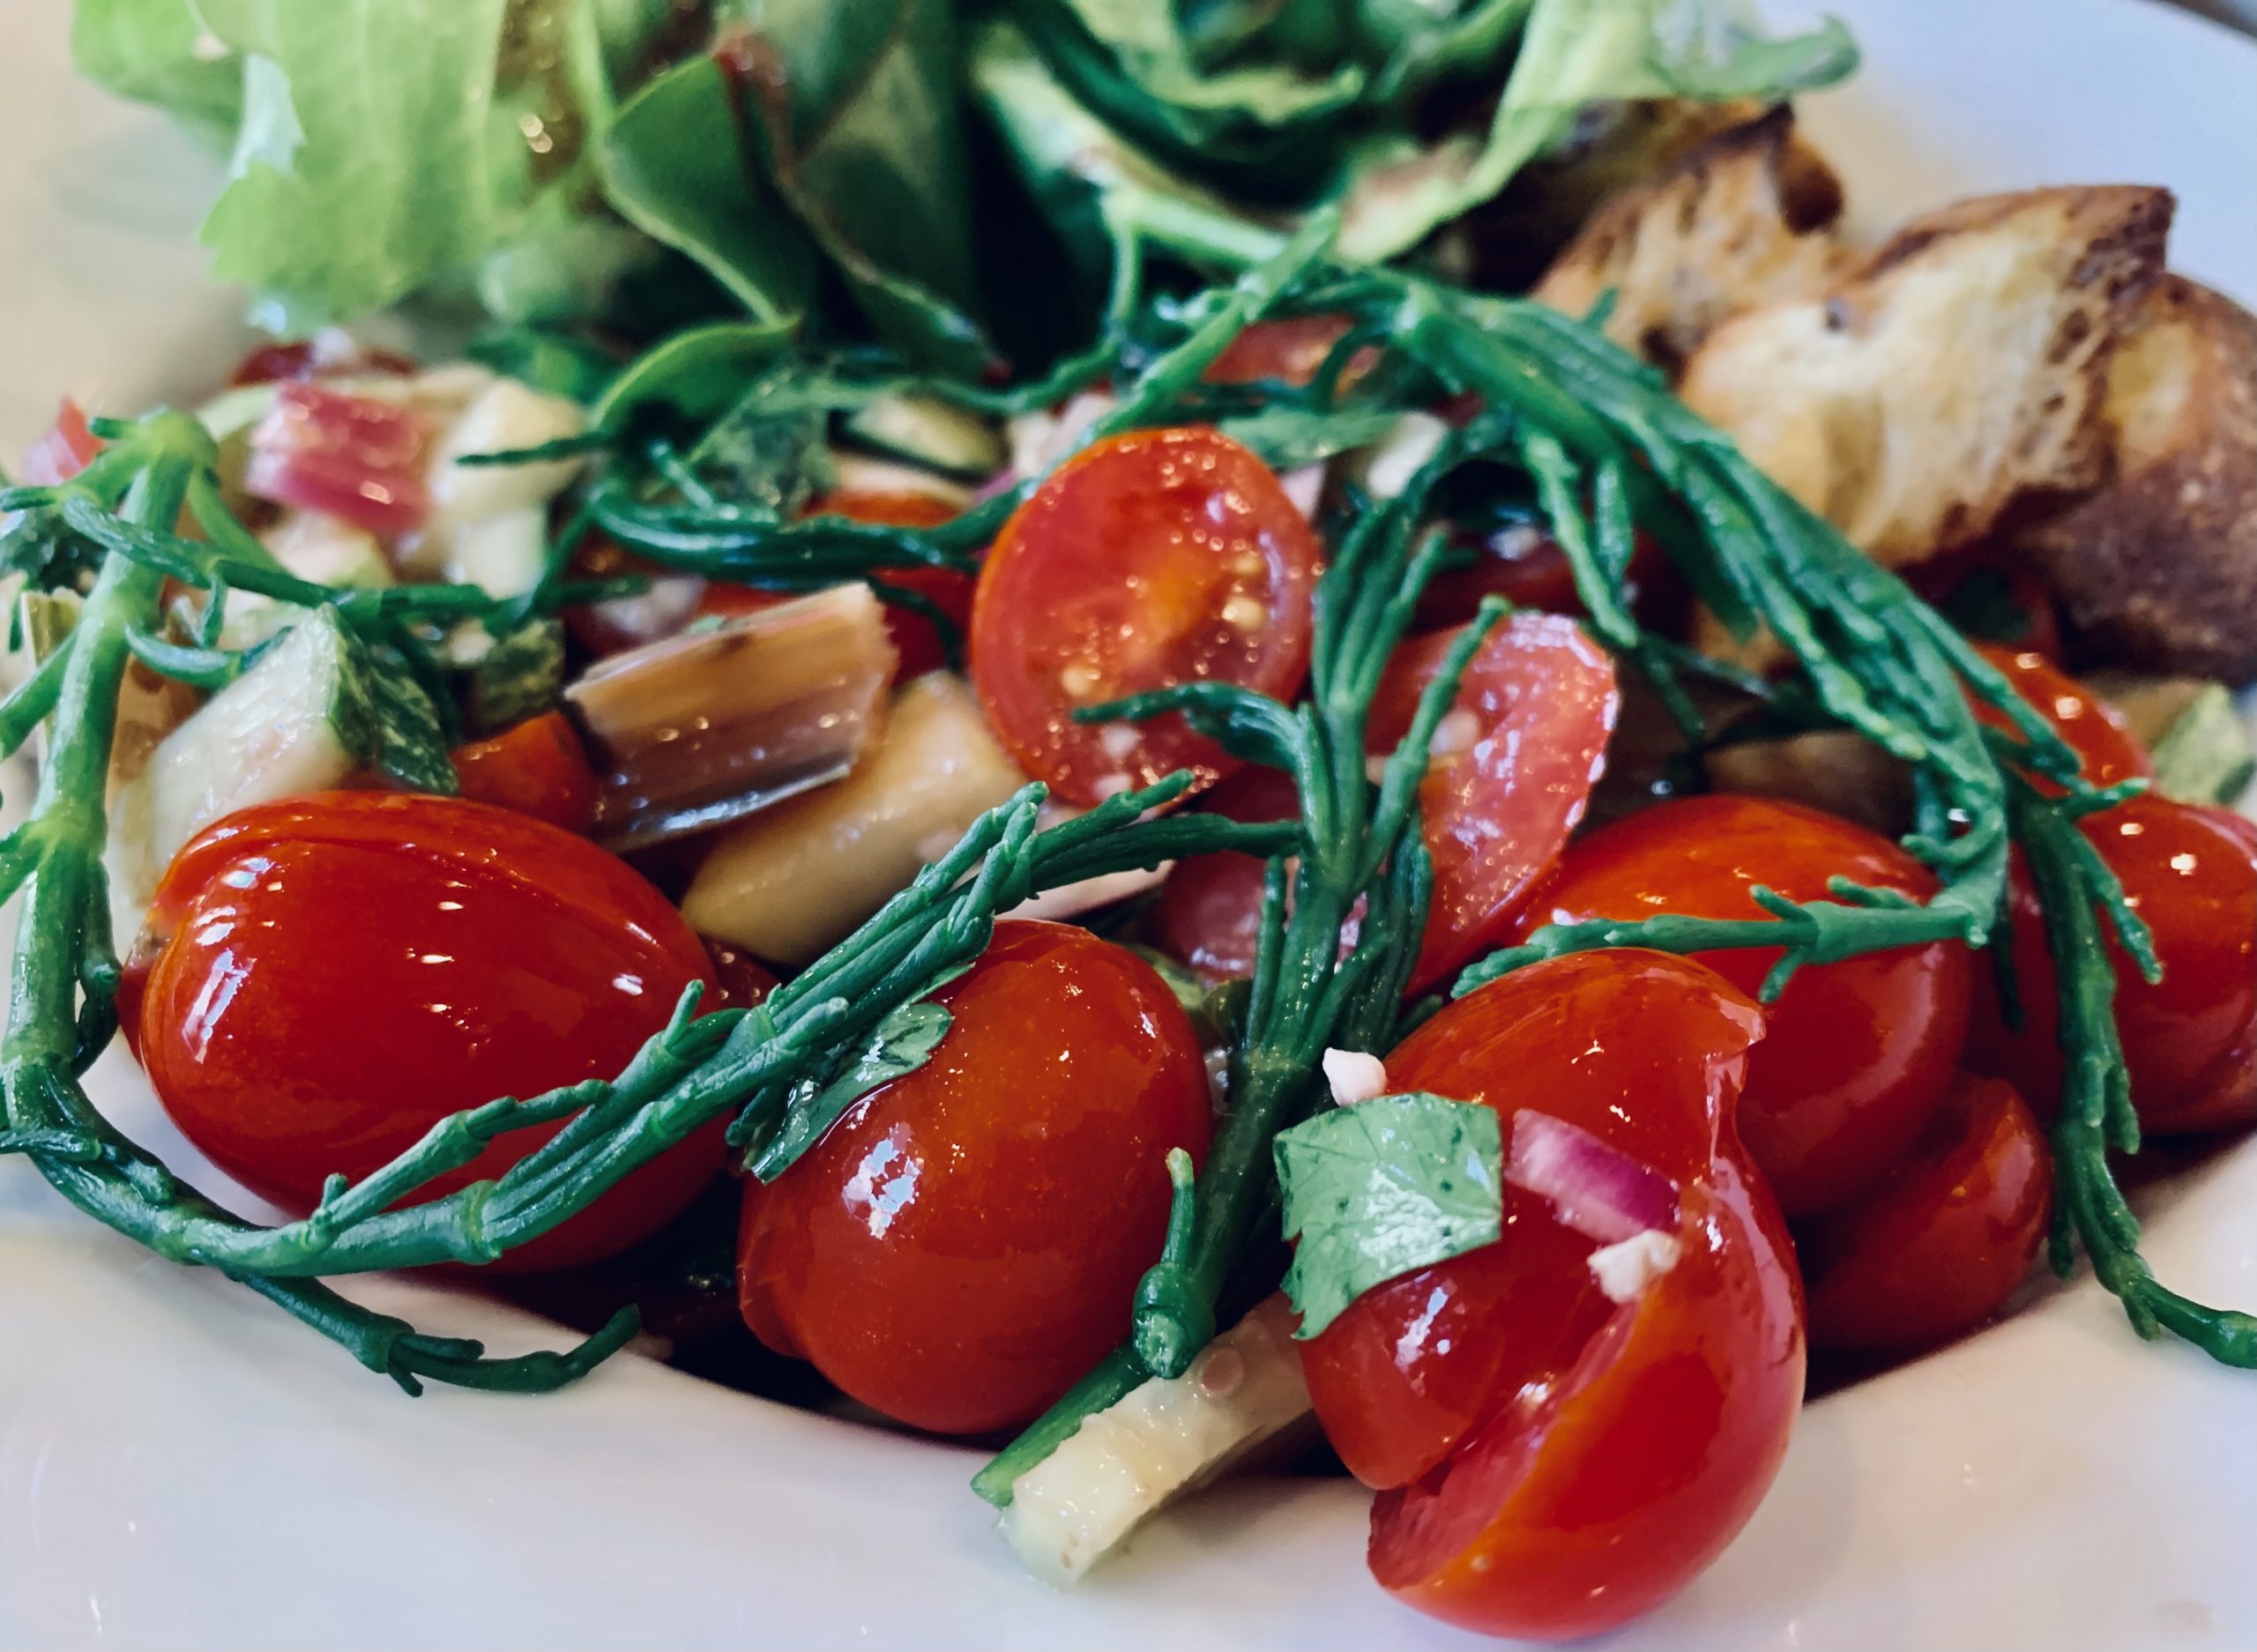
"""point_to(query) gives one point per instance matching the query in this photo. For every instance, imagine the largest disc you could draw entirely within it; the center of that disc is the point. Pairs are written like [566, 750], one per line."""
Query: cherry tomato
[538, 768]
[744, 981]
[2094, 730]
[1209, 911]
[2190, 1044]
[1942, 1243]
[963, 1245]
[272, 363]
[1290, 349]
[1146, 560]
[1522, 562]
[322, 979]
[914, 638]
[1514, 761]
[1552, 1463]
[1859, 1052]
[65, 448]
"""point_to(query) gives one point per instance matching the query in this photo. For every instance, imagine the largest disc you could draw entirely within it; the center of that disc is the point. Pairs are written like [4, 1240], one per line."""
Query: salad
[1176, 737]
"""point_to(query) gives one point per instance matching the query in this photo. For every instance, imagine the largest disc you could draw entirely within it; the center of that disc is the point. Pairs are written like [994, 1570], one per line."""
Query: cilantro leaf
[1381, 1189]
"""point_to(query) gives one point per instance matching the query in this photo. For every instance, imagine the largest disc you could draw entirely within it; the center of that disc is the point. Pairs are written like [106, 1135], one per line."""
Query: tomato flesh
[1290, 350]
[1939, 1246]
[539, 768]
[2190, 1043]
[322, 979]
[65, 448]
[1146, 560]
[1552, 1463]
[1512, 767]
[962, 1244]
[1859, 1052]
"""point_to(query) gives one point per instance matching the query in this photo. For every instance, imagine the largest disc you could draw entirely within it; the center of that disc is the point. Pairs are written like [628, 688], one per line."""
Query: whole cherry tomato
[1942, 1243]
[914, 637]
[2190, 1043]
[1554, 1461]
[1859, 1052]
[964, 1243]
[322, 979]
[539, 768]
[2094, 730]
[1510, 774]
[1146, 560]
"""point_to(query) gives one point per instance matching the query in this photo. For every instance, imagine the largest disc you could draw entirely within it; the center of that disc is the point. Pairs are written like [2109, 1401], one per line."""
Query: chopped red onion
[356, 457]
[1599, 1191]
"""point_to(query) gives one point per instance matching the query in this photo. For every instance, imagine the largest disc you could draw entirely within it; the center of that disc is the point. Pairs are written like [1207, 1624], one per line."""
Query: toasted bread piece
[2157, 569]
[1954, 376]
[1745, 220]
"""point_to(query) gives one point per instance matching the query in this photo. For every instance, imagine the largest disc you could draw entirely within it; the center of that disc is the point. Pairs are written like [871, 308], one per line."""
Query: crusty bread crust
[1746, 219]
[1952, 378]
[2158, 568]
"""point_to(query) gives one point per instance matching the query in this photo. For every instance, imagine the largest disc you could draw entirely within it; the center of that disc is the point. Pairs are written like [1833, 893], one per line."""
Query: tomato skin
[962, 1244]
[2094, 730]
[1942, 1242]
[1859, 1052]
[1146, 560]
[1555, 1463]
[742, 980]
[2190, 1043]
[322, 979]
[539, 768]
[1290, 349]
[914, 638]
[1514, 763]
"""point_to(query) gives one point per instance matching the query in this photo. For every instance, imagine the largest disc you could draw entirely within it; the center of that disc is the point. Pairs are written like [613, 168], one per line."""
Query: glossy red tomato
[1859, 1052]
[744, 981]
[539, 768]
[1942, 1243]
[1514, 761]
[963, 1245]
[1146, 560]
[1522, 562]
[914, 638]
[2190, 1044]
[1554, 1463]
[1209, 911]
[324, 978]
[2094, 730]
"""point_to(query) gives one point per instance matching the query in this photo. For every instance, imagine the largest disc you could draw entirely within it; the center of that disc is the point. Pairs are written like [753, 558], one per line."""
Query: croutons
[1953, 377]
[1745, 221]
[2157, 569]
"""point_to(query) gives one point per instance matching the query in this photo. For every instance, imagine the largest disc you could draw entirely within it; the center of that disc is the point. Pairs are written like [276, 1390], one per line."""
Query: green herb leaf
[1381, 1189]
[903, 1042]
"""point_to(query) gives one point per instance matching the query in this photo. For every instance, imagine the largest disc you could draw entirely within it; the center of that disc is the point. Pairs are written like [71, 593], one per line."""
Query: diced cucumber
[519, 676]
[931, 433]
[2200, 738]
[299, 720]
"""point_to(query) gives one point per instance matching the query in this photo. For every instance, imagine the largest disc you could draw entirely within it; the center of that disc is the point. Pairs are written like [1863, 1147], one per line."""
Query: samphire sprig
[697, 1069]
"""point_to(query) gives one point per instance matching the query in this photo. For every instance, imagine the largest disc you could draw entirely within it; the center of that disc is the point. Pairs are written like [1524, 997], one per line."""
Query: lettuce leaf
[1574, 53]
[387, 147]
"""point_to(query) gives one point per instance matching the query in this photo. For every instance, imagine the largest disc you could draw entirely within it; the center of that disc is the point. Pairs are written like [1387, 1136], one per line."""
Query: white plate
[180, 1468]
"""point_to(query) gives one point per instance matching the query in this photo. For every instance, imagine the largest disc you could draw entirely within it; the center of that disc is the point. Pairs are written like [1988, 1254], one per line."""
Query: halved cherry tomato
[1209, 911]
[1553, 1462]
[539, 768]
[1290, 350]
[964, 1243]
[65, 448]
[2190, 1044]
[1859, 1052]
[1150, 559]
[1942, 1243]
[1522, 562]
[322, 979]
[2094, 730]
[1513, 764]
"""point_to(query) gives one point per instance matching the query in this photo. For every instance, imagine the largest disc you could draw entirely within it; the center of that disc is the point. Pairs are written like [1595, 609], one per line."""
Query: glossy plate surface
[180, 1468]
